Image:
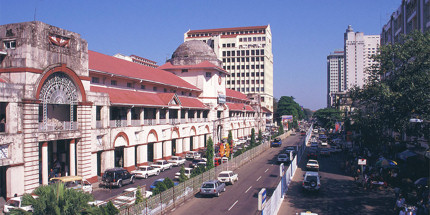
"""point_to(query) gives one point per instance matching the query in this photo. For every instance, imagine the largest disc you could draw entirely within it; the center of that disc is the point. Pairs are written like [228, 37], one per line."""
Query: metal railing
[163, 121]
[118, 123]
[149, 122]
[99, 124]
[173, 197]
[135, 122]
[58, 126]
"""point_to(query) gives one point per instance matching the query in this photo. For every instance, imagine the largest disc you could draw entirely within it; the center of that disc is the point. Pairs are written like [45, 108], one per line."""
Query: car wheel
[232, 182]
[217, 194]
[223, 190]
[132, 180]
[158, 172]
[146, 176]
[120, 184]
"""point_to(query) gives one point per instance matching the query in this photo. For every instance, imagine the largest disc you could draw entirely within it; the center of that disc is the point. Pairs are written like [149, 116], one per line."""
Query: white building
[246, 54]
[80, 112]
[358, 51]
[335, 75]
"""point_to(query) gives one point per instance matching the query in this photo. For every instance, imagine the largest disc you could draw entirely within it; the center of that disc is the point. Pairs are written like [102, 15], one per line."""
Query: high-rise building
[411, 15]
[246, 54]
[335, 75]
[359, 49]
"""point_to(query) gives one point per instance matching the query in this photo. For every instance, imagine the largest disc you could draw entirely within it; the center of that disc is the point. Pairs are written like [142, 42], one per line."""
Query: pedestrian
[51, 173]
[397, 192]
[402, 211]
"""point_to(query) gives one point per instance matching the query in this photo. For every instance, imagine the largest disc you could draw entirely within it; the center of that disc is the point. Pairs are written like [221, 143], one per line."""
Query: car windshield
[311, 178]
[223, 175]
[143, 168]
[160, 162]
[282, 156]
[290, 148]
[312, 162]
[13, 203]
[208, 185]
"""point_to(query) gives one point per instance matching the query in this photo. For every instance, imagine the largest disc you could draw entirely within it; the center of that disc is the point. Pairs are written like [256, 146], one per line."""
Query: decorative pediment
[59, 40]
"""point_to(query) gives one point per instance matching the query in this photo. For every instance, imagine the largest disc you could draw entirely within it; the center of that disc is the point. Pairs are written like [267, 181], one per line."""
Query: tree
[252, 138]
[109, 209]
[230, 137]
[396, 91]
[168, 182]
[260, 136]
[139, 197]
[327, 117]
[287, 106]
[281, 129]
[210, 153]
[159, 188]
[57, 199]
[182, 176]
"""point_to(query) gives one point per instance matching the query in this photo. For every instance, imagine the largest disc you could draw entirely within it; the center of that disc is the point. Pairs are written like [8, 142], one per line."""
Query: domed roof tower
[194, 52]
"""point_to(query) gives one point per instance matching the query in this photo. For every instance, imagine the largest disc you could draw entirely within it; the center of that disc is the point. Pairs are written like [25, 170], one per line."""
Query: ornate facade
[73, 111]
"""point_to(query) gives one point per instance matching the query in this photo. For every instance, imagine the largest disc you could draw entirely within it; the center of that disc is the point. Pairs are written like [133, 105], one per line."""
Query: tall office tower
[246, 53]
[358, 51]
[335, 76]
[411, 15]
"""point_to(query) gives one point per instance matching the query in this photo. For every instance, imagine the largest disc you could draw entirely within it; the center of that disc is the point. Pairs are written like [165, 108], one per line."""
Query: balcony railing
[135, 122]
[149, 122]
[118, 123]
[98, 124]
[163, 121]
[173, 121]
[58, 126]
[183, 121]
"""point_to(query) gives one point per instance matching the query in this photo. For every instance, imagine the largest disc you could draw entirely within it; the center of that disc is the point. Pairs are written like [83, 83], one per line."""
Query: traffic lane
[338, 195]
[107, 193]
[240, 198]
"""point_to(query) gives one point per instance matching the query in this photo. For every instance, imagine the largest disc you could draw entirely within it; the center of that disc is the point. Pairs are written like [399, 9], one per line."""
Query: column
[157, 116]
[167, 116]
[186, 115]
[72, 159]
[179, 116]
[107, 160]
[128, 116]
[142, 116]
[105, 117]
[142, 155]
[129, 157]
[157, 150]
[45, 163]
[179, 149]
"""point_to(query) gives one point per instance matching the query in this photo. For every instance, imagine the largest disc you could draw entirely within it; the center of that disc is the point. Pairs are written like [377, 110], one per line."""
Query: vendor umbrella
[424, 181]
[385, 163]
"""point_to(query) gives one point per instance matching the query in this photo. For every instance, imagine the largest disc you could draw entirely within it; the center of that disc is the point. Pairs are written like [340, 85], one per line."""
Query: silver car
[212, 187]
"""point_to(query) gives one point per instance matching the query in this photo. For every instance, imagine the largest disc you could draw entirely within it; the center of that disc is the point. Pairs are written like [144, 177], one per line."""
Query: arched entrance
[175, 136]
[152, 138]
[192, 135]
[121, 141]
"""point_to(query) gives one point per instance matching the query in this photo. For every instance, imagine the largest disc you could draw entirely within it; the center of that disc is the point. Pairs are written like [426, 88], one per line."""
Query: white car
[324, 143]
[16, 203]
[146, 171]
[176, 160]
[187, 173]
[312, 165]
[162, 165]
[283, 158]
[228, 177]
[192, 155]
[311, 181]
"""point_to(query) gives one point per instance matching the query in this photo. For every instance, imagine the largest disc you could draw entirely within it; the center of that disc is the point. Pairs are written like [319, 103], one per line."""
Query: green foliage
[168, 182]
[197, 171]
[210, 153]
[260, 136]
[139, 197]
[252, 144]
[109, 209]
[57, 199]
[230, 137]
[281, 129]
[159, 188]
[182, 176]
[327, 117]
[287, 106]
[387, 104]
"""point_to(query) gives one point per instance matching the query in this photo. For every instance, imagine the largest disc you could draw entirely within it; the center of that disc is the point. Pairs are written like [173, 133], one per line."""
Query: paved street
[338, 195]
[241, 198]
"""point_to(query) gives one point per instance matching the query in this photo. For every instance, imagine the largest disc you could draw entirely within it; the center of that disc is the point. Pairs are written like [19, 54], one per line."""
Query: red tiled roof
[130, 97]
[2, 80]
[235, 94]
[105, 63]
[229, 36]
[235, 106]
[202, 65]
[249, 108]
[264, 109]
[227, 29]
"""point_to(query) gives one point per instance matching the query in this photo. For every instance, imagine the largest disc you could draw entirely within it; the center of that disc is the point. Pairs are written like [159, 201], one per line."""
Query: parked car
[154, 184]
[162, 165]
[312, 154]
[117, 177]
[74, 182]
[311, 181]
[312, 165]
[176, 160]
[212, 187]
[325, 152]
[283, 158]
[314, 144]
[128, 196]
[187, 173]
[228, 177]
[324, 143]
[195, 162]
[192, 155]
[146, 171]
[276, 142]
[16, 203]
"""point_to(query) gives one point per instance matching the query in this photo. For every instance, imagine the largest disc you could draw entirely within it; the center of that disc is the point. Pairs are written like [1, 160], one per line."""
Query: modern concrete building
[80, 112]
[335, 75]
[411, 15]
[359, 49]
[246, 54]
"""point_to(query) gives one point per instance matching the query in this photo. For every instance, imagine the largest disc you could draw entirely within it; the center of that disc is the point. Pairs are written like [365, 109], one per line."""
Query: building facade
[359, 49]
[335, 75]
[246, 54]
[411, 15]
[80, 112]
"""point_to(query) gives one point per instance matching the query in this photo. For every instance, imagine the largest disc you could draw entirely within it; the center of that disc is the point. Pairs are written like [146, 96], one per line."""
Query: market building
[72, 111]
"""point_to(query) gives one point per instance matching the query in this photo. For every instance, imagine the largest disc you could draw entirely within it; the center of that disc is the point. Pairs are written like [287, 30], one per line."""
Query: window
[257, 74]
[262, 89]
[243, 81]
[240, 39]
[228, 45]
[189, 94]
[129, 85]
[184, 70]
[262, 51]
[233, 53]
[257, 52]
[233, 59]
[252, 52]
[238, 67]
[165, 90]
[247, 74]
[113, 82]
[208, 74]
[142, 87]
[223, 60]
[252, 89]
[253, 73]
[223, 45]
[238, 53]
[243, 74]
[224, 53]
[247, 52]
[261, 58]
[247, 89]
[237, 82]
[262, 74]
[252, 59]
[182, 93]
[11, 44]
[262, 66]
[154, 88]
[238, 59]
[262, 81]
[228, 82]
[257, 66]
[233, 74]
[258, 89]
[228, 60]
[233, 45]
[247, 81]
[95, 80]
[247, 66]
[243, 89]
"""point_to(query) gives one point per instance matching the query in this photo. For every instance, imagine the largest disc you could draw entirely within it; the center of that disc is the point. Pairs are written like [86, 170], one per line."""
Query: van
[74, 182]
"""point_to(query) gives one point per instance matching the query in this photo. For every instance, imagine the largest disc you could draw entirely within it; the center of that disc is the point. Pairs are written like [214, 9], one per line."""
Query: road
[241, 198]
[338, 195]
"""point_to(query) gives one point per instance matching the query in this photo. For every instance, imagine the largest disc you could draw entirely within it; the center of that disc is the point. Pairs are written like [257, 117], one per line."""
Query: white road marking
[248, 189]
[267, 170]
[258, 178]
[233, 205]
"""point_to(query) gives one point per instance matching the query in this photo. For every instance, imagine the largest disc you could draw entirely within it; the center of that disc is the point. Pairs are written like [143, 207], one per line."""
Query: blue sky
[304, 32]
